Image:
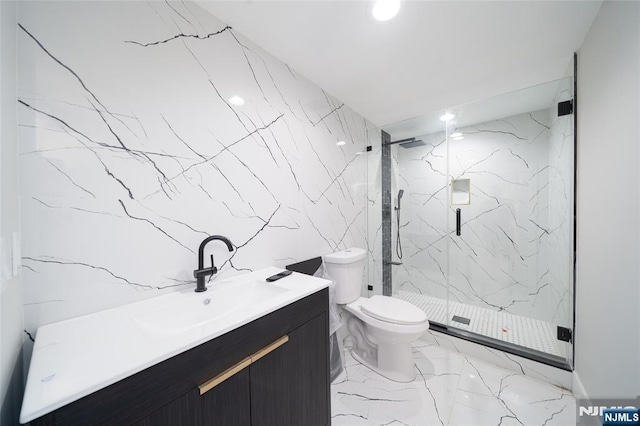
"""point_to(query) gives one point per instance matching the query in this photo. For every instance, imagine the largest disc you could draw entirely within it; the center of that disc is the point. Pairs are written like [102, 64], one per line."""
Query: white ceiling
[434, 54]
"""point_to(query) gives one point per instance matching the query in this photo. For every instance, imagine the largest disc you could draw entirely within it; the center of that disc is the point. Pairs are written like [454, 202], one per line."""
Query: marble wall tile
[131, 154]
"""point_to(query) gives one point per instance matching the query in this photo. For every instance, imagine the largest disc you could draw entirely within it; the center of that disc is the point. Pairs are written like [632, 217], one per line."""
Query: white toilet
[382, 327]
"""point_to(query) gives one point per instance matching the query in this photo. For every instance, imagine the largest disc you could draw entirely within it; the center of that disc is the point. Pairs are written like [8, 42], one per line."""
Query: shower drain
[462, 320]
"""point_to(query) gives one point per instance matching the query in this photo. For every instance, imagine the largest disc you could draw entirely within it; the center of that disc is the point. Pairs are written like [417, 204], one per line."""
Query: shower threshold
[522, 336]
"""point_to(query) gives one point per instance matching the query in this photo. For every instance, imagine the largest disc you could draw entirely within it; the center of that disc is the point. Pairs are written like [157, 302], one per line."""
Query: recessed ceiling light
[458, 138]
[340, 143]
[236, 100]
[383, 10]
[446, 117]
[456, 134]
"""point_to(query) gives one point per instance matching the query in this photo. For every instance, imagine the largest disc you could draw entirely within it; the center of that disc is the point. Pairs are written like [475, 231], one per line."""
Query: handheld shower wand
[398, 243]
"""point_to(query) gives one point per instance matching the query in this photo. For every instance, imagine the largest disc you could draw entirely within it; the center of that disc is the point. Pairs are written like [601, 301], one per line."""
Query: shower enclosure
[477, 220]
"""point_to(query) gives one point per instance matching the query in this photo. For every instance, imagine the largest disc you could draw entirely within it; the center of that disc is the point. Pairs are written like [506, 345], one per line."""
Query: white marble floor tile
[536, 402]
[449, 389]
[477, 409]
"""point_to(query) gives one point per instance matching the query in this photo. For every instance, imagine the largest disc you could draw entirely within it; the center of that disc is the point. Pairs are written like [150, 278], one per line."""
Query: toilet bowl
[382, 327]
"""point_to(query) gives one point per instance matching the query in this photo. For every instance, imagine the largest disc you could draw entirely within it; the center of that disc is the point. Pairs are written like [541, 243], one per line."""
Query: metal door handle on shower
[458, 222]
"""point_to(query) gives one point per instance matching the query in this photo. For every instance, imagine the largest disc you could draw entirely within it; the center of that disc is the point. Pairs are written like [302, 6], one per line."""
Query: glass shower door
[477, 219]
[510, 210]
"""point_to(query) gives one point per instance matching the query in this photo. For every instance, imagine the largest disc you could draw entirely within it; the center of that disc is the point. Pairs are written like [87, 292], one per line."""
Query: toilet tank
[345, 268]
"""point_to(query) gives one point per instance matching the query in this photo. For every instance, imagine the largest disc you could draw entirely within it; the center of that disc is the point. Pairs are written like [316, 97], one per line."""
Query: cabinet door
[290, 386]
[228, 403]
[181, 412]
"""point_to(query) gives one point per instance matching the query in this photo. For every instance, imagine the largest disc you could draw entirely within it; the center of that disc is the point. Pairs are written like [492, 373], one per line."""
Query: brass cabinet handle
[212, 383]
[233, 370]
[268, 349]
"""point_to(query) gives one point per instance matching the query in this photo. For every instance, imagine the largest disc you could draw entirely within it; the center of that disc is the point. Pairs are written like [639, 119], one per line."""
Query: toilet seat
[392, 310]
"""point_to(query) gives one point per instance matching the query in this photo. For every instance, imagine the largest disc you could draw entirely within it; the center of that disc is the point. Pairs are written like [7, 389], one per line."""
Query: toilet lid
[393, 310]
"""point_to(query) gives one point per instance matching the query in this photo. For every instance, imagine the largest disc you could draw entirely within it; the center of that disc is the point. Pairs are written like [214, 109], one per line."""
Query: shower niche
[460, 191]
[497, 253]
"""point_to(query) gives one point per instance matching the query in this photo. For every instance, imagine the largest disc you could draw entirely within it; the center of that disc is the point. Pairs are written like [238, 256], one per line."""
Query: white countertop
[76, 357]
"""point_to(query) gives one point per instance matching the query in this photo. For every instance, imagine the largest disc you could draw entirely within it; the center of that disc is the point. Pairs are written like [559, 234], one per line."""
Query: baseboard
[578, 388]
[583, 399]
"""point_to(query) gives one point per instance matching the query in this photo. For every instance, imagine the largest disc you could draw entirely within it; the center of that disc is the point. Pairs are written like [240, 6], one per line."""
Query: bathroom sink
[187, 309]
[127, 339]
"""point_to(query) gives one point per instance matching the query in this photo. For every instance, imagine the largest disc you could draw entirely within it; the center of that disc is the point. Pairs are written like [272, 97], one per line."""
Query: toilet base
[396, 376]
[384, 347]
[384, 353]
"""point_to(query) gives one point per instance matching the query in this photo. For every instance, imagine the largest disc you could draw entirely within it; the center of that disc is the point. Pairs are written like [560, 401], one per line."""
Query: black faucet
[203, 272]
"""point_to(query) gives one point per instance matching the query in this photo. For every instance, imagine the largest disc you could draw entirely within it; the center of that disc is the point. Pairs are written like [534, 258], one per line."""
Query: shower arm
[402, 141]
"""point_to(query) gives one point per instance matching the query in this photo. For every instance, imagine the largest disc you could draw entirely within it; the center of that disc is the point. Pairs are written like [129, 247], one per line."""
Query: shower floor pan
[530, 333]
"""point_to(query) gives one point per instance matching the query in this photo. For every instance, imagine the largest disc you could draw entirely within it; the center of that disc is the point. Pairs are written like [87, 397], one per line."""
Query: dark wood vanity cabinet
[271, 383]
[290, 386]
